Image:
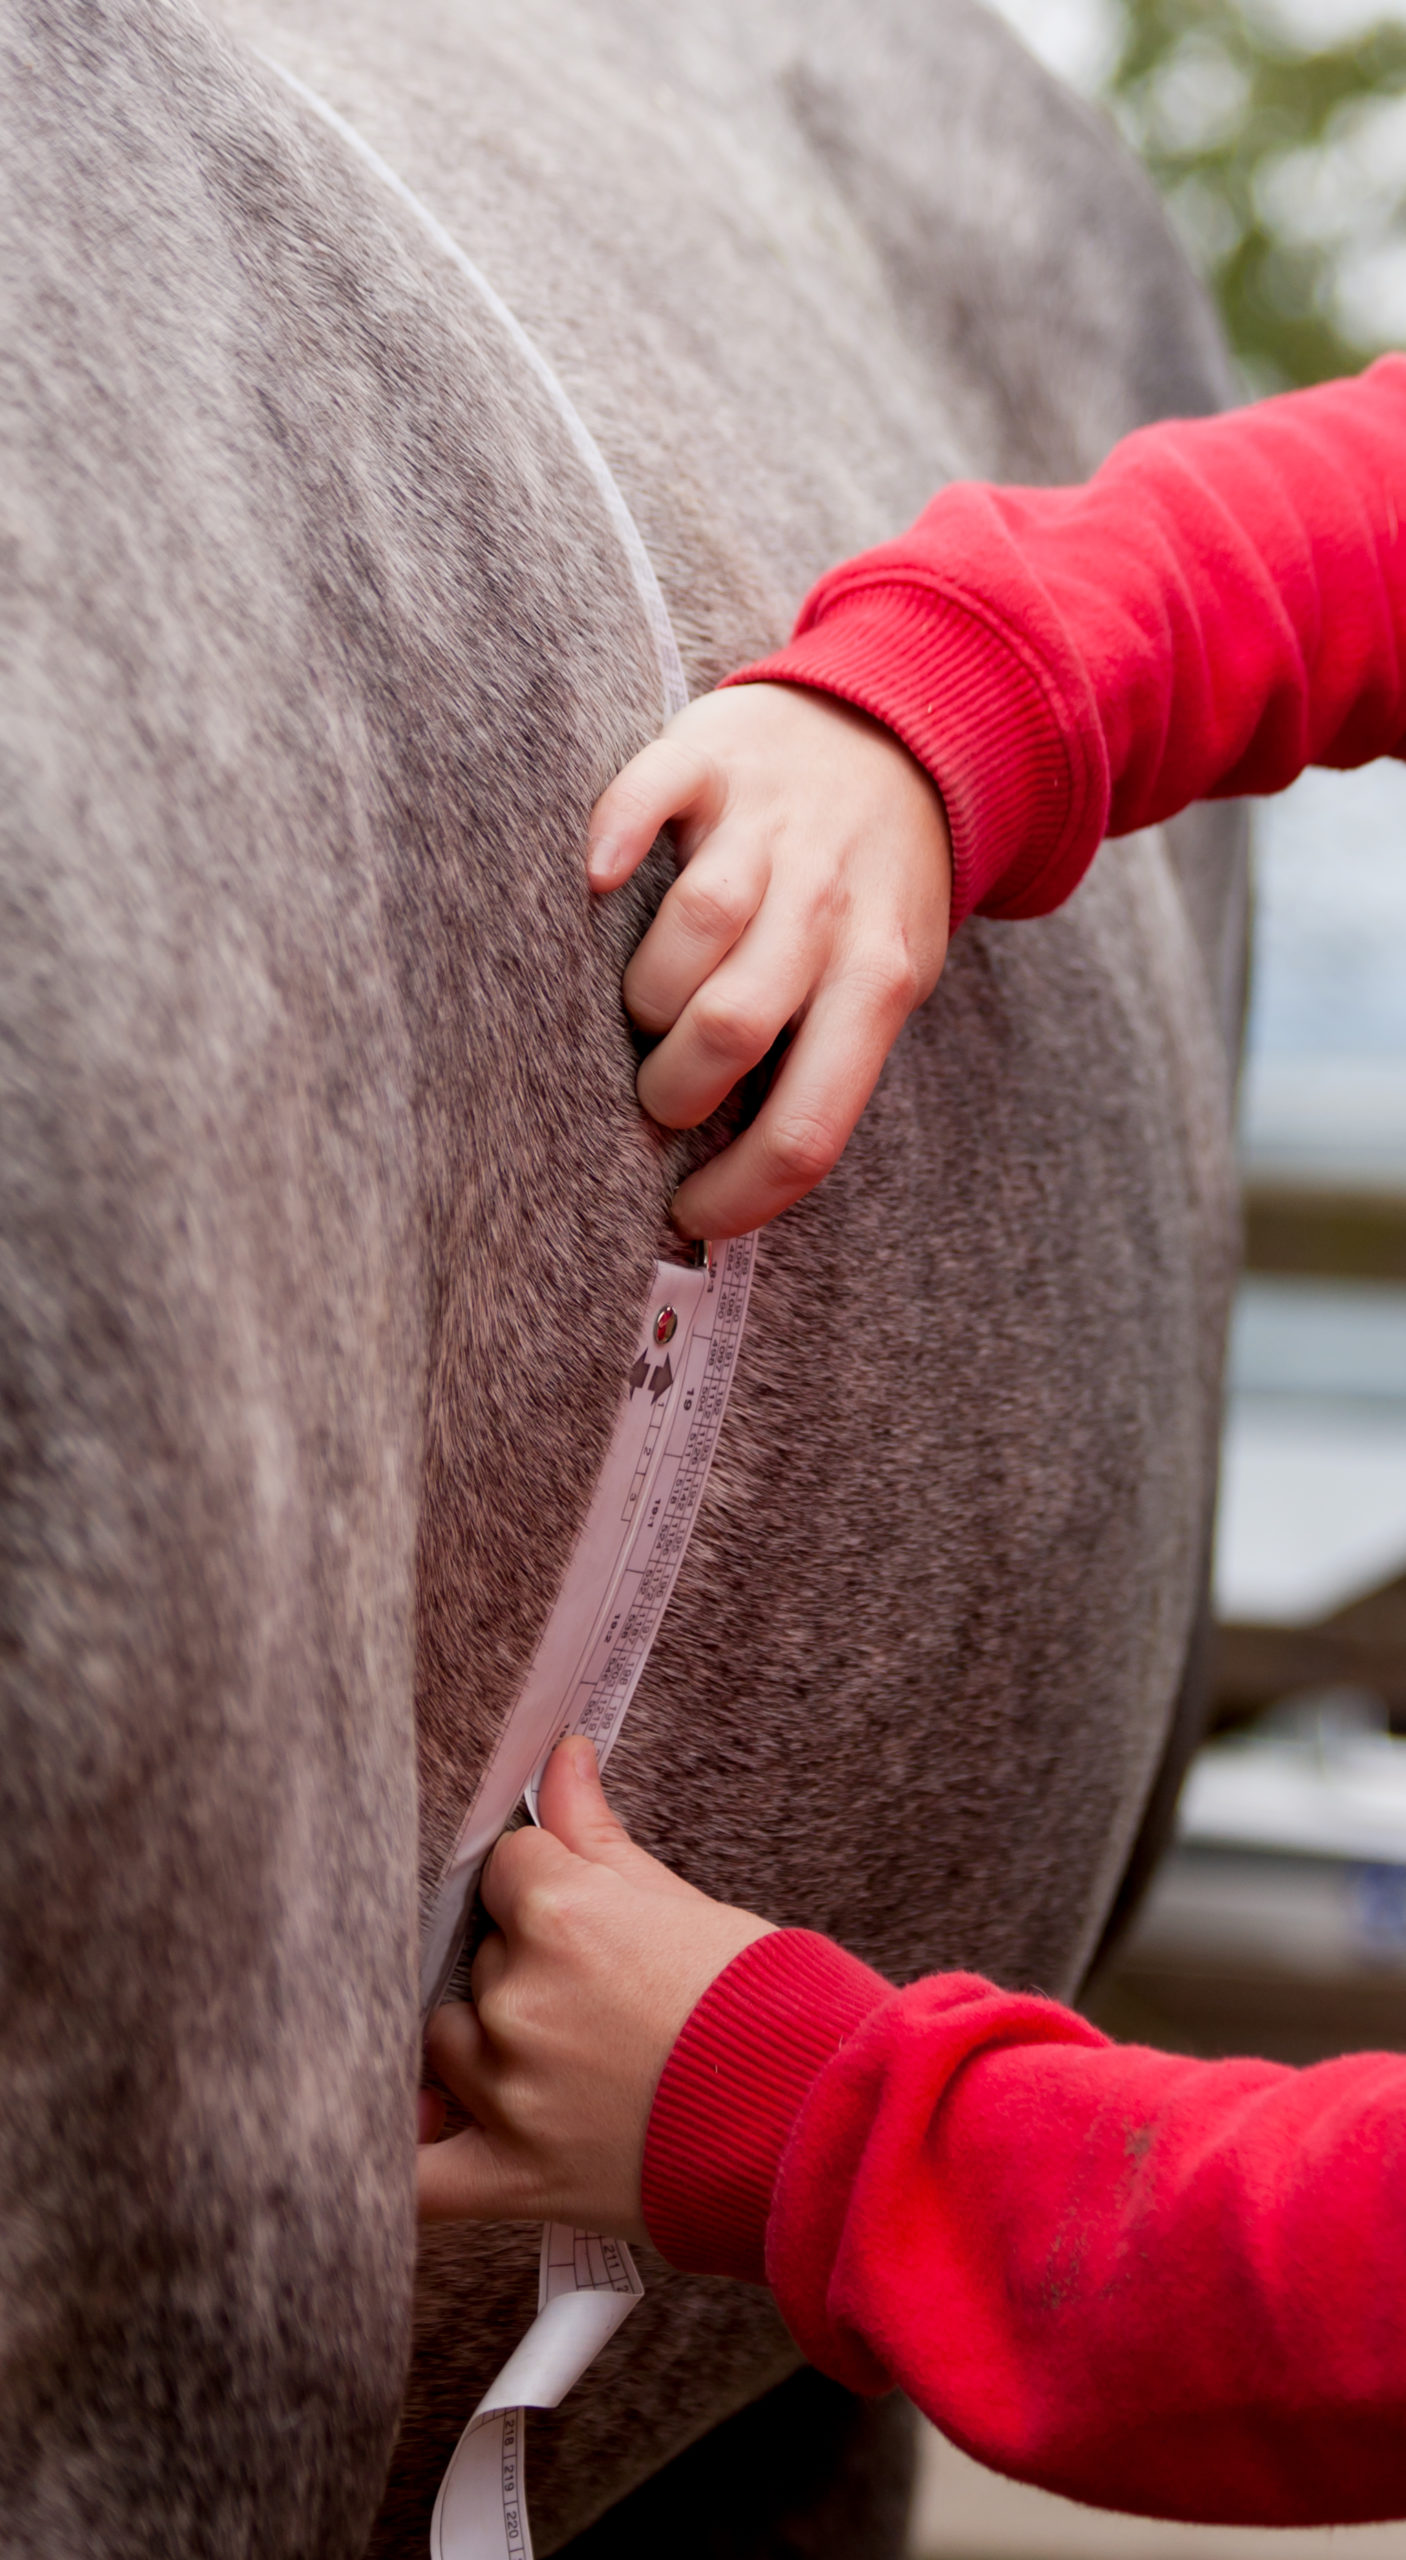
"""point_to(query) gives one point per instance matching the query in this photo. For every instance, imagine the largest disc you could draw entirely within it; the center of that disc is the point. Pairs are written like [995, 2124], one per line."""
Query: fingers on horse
[527, 1886]
[454, 2047]
[667, 780]
[470, 2179]
[708, 909]
[572, 1804]
[808, 1117]
[487, 1970]
[727, 1028]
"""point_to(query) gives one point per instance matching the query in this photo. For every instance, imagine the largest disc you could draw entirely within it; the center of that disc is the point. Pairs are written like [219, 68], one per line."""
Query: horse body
[328, 1210]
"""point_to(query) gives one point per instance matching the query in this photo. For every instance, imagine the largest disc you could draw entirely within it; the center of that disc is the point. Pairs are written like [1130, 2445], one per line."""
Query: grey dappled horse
[328, 1210]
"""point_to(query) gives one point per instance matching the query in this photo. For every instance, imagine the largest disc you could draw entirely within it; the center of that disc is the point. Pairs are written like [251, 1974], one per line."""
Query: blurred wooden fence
[1309, 1231]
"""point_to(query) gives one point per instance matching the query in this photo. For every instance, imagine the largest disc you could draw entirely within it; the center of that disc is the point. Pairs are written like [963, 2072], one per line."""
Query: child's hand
[814, 886]
[602, 1954]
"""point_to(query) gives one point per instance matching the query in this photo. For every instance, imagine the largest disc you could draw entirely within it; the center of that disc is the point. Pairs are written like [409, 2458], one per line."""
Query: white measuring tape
[582, 1679]
[598, 1637]
[622, 1570]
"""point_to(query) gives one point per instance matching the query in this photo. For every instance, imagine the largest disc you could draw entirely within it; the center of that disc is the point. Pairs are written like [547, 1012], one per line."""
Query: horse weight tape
[582, 1678]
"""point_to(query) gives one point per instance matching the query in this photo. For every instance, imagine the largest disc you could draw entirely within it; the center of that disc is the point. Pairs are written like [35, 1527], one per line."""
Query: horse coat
[328, 1210]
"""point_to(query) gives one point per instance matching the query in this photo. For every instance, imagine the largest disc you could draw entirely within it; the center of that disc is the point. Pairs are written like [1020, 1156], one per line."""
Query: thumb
[666, 780]
[571, 1803]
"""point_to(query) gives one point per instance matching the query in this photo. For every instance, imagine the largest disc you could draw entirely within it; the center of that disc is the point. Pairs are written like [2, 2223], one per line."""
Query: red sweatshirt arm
[1223, 603]
[1174, 2287]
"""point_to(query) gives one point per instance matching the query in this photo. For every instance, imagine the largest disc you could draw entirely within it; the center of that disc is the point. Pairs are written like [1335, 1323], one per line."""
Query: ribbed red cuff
[732, 2089]
[973, 704]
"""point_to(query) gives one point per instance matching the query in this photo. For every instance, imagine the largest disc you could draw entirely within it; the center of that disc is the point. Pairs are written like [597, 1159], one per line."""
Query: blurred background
[1277, 135]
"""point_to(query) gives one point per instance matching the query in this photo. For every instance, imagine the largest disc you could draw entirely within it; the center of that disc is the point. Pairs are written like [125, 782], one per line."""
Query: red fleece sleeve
[1172, 2287]
[1223, 603]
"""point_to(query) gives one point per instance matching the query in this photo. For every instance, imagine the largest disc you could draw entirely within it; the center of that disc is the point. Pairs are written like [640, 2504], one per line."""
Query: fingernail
[603, 859]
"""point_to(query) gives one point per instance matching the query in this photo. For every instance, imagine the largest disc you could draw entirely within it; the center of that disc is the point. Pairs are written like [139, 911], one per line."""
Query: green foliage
[1279, 164]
